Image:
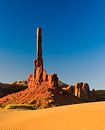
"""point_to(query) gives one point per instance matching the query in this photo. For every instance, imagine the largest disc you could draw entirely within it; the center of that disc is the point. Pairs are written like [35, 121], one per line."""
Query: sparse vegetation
[20, 106]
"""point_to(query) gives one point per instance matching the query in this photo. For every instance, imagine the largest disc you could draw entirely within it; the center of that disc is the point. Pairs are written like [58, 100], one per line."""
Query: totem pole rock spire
[40, 76]
[38, 72]
[39, 47]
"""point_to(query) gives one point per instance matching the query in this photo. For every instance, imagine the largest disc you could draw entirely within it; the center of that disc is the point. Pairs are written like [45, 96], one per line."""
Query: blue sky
[73, 39]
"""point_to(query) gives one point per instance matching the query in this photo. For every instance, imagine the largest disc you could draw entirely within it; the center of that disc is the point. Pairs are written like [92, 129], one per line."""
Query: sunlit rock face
[40, 75]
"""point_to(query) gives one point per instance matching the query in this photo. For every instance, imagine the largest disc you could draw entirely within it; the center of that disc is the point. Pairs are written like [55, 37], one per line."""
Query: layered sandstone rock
[81, 90]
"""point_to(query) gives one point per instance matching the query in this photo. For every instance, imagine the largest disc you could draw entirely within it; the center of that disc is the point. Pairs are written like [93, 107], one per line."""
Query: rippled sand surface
[88, 116]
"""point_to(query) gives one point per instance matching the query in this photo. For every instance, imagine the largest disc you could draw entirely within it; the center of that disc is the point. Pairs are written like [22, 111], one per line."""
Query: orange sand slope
[88, 116]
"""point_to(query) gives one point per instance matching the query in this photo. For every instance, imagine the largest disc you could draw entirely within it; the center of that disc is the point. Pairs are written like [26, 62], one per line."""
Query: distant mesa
[6, 89]
[20, 83]
[45, 90]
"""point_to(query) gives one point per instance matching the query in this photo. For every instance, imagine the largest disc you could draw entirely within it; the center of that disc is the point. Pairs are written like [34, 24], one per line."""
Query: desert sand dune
[87, 116]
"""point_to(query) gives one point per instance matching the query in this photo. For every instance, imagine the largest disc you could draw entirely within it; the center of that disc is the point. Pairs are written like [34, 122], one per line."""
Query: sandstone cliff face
[81, 90]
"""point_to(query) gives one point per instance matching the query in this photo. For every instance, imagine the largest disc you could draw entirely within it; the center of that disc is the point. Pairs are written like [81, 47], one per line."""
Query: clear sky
[73, 39]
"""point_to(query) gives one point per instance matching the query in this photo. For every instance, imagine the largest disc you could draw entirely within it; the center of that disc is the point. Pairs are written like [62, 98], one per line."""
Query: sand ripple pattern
[88, 116]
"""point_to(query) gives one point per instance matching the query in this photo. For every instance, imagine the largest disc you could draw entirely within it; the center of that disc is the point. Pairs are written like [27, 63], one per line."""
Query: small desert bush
[20, 106]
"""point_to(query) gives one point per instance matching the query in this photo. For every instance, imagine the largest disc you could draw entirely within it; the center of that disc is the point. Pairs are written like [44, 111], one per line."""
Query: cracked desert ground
[87, 116]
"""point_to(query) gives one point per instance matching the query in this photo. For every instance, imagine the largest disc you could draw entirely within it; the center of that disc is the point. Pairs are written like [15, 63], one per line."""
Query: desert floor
[87, 116]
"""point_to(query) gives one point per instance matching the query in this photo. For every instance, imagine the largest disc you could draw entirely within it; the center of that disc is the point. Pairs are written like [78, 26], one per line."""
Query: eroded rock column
[38, 72]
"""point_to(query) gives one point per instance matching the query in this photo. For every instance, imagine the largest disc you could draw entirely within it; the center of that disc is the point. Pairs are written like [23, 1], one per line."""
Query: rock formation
[81, 90]
[46, 89]
[40, 76]
[58, 92]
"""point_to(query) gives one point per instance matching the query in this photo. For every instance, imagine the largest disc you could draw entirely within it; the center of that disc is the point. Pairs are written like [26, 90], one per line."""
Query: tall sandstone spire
[40, 76]
[38, 72]
[39, 46]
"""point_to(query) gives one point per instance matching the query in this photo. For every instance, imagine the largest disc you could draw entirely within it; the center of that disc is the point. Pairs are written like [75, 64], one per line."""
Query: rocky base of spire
[50, 92]
[50, 80]
[59, 93]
